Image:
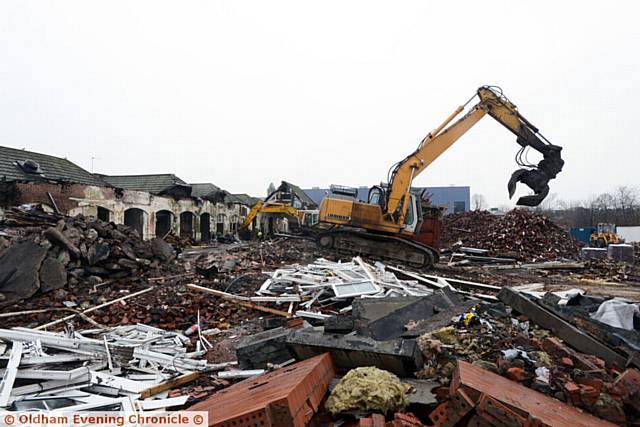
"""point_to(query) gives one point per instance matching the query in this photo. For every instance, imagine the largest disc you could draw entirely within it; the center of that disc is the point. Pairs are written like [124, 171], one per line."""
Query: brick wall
[63, 194]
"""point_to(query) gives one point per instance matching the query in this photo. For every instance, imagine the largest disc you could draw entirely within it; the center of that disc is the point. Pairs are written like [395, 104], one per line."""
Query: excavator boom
[496, 105]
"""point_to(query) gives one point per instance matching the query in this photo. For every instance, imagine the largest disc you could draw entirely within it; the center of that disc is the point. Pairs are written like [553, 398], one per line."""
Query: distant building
[456, 199]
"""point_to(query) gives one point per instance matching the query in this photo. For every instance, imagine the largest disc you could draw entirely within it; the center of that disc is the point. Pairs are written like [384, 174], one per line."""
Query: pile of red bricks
[520, 233]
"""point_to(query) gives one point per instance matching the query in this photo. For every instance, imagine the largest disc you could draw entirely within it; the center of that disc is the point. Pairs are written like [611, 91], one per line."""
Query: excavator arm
[495, 104]
[252, 214]
[261, 207]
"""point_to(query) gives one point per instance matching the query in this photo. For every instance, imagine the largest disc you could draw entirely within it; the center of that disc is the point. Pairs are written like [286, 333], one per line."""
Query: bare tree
[478, 202]
[625, 201]
[620, 206]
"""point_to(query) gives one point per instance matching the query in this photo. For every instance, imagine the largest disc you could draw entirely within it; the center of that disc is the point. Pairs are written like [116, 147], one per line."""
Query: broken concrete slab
[393, 324]
[402, 357]
[367, 310]
[421, 391]
[440, 319]
[97, 253]
[56, 237]
[52, 275]
[255, 351]
[19, 267]
[162, 250]
[339, 324]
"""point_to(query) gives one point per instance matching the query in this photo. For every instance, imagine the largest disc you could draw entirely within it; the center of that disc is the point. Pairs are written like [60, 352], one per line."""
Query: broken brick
[629, 385]
[566, 361]
[375, 420]
[404, 419]
[588, 395]
[517, 374]
[596, 383]
[572, 391]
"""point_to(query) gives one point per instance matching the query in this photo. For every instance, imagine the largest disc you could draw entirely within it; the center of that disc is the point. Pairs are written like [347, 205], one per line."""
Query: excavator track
[379, 246]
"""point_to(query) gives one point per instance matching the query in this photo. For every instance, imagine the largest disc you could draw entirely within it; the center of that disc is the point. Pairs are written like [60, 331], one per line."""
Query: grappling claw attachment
[538, 177]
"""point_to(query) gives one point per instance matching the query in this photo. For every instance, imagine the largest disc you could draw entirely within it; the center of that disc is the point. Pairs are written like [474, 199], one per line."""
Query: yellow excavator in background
[604, 235]
[304, 218]
[392, 226]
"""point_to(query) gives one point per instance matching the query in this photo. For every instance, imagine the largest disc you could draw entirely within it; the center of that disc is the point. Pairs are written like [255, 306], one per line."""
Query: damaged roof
[155, 183]
[304, 197]
[204, 189]
[245, 199]
[287, 187]
[42, 167]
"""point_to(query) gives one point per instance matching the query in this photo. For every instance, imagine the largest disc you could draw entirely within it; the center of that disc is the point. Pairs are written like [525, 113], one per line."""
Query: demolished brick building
[153, 205]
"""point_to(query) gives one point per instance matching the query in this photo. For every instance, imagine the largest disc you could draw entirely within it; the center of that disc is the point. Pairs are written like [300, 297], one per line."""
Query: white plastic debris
[514, 353]
[617, 312]
[117, 366]
[543, 375]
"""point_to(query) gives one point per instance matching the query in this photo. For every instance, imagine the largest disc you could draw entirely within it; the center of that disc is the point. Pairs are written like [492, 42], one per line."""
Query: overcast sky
[243, 93]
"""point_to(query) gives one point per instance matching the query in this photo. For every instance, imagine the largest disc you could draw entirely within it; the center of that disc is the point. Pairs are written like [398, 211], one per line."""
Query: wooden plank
[563, 329]
[89, 310]
[230, 297]
[168, 385]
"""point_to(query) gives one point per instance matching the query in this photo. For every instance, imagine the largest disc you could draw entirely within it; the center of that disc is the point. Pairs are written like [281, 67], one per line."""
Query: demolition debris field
[103, 312]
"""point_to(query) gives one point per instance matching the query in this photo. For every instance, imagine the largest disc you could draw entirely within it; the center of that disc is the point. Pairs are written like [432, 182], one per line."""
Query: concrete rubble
[272, 332]
[50, 253]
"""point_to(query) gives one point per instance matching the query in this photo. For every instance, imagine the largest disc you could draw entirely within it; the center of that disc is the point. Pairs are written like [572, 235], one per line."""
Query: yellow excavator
[604, 235]
[304, 218]
[392, 225]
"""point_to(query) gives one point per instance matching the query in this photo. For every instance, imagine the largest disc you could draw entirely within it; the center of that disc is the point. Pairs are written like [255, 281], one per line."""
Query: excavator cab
[412, 218]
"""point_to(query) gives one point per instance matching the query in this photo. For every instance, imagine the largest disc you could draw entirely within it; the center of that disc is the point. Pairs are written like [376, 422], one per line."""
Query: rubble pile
[520, 233]
[612, 271]
[247, 256]
[518, 349]
[53, 253]
[562, 350]
[254, 324]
